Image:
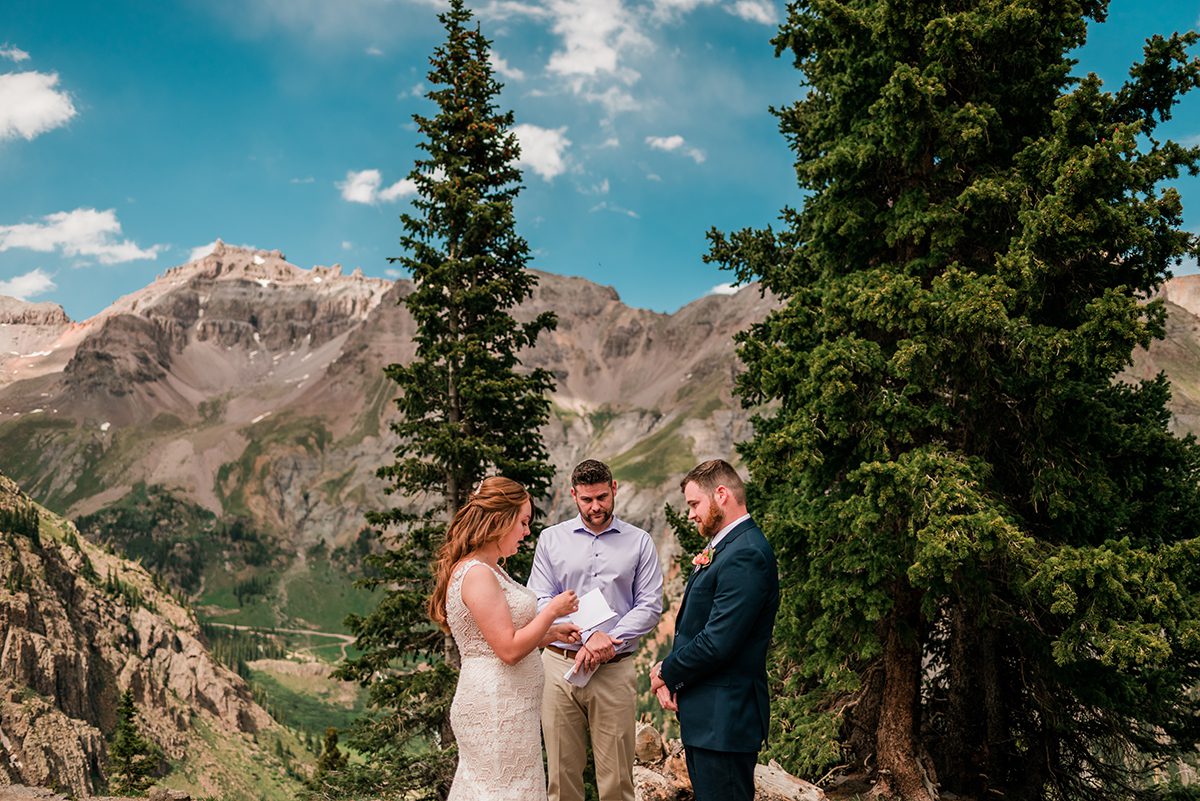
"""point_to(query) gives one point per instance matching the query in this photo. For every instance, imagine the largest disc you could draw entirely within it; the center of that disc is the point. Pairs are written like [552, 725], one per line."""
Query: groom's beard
[713, 522]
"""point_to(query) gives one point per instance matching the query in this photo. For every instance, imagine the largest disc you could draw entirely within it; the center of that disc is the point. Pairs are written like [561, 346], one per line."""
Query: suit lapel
[737, 531]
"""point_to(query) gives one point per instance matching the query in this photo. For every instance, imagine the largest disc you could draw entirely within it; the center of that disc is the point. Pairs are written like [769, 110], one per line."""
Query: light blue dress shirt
[621, 561]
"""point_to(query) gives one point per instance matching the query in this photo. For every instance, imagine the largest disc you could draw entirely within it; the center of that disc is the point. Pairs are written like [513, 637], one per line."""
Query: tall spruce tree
[132, 759]
[465, 410]
[989, 538]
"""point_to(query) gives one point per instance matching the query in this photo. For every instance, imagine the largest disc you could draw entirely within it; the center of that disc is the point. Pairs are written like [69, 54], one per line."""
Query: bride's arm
[483, 597]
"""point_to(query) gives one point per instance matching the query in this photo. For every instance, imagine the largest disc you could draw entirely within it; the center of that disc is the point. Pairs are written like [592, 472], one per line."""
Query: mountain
[223, 426]
[254, 389]
[249, 389]
[78, 626]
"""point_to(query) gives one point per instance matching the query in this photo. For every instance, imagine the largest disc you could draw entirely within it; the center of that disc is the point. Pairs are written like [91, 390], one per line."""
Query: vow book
[593, 610]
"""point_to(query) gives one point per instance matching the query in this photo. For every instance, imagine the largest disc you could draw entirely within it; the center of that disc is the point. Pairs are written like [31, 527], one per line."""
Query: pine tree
[331, 759]
[988, 537]
[132, 759]
[466, 408]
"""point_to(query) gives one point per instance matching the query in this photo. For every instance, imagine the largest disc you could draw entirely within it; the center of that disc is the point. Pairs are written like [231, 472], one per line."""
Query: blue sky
[133, 133]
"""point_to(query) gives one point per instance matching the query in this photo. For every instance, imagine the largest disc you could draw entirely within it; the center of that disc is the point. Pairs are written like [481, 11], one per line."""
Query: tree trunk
[862, 717]
[905, 771]
[963, 748]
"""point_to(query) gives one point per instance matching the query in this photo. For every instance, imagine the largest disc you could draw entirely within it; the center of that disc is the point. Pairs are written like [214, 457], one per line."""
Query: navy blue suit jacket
[718, 665]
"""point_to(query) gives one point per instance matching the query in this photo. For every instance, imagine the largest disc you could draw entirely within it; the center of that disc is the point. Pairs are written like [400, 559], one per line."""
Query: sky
[133, 134]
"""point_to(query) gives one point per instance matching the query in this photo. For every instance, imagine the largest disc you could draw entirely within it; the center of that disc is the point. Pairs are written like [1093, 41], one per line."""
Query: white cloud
[604, 205]
[306, 180]
[595, 189]
[724, 289]
[392, 272]
[324, 20]
[665, 142]
[374, 51]
[543, 149]
[13, 53]
[82, 232]
[614, 99]
[651, 176]
[347, 245]
[23, 287]
[611, 141]
[760, 11]
[30, 105]
[503, 9]
[598, 39]
[364, 187]
[503, 68]
[673, 143]
[201, 251]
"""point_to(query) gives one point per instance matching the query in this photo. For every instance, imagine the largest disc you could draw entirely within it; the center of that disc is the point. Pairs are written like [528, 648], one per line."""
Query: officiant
[595, 550]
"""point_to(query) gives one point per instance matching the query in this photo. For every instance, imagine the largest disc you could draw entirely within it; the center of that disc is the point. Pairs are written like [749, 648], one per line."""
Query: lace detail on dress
[497, 709]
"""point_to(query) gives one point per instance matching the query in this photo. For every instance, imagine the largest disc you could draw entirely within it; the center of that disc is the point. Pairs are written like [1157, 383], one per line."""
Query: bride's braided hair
[490, 511]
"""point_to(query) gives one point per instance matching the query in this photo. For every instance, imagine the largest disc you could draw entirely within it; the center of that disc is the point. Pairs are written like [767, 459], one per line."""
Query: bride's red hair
[490, 511]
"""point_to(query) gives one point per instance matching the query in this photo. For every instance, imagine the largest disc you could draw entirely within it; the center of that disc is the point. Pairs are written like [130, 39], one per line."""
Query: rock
[68, 649]
[19, 312]
[648, 745]
[773, 783]
[19, 792]
[163, 794]
[651, 786]
[666, 779]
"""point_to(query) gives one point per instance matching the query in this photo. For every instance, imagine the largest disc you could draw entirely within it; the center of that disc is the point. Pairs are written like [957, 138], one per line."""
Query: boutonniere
[703, 559]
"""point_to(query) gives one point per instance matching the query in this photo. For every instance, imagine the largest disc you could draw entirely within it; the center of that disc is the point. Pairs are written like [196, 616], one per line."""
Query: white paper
[593, 610]
[579, 678]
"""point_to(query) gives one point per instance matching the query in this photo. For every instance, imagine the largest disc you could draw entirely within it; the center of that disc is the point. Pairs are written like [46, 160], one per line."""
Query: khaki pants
[607, 707]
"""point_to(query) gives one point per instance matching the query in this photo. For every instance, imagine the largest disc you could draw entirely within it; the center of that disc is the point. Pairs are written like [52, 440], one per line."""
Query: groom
[716, 675]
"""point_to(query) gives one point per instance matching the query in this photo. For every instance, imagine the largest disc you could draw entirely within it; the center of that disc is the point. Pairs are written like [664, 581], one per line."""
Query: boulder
[665, 778]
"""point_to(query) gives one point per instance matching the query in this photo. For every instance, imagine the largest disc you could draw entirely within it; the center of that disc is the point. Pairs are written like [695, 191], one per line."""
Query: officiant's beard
[714, 521]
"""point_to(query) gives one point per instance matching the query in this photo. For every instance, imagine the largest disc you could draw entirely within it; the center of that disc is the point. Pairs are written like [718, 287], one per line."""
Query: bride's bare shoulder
[474, 571]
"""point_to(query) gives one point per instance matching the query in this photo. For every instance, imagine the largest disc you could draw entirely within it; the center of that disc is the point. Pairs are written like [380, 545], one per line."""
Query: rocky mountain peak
[19, 312]
[1183, 291]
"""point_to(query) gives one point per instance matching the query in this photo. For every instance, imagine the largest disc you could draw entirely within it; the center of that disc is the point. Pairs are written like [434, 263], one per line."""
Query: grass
[36, 448]
[245, 768]
[323, 596]
[28, 441]
[600, 419]
[656, 458]
[665, 453]
[219, 585]
[307, 703]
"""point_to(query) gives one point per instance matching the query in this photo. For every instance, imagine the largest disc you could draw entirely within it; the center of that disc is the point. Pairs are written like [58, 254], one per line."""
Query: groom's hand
[656, 679]
[666, 699]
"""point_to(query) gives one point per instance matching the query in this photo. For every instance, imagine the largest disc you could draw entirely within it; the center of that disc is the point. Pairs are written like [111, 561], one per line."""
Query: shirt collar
[580, 527]
[728, 528]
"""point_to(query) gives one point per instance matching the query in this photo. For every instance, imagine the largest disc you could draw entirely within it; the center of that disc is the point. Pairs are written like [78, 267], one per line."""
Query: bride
[496, 714]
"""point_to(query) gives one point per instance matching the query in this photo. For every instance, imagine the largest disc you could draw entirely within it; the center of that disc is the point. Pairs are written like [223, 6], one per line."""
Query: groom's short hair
[589, 472]
[716, 473]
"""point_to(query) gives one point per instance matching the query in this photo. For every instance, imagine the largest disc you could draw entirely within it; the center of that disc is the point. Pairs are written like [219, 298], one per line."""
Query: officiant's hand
[596, 651]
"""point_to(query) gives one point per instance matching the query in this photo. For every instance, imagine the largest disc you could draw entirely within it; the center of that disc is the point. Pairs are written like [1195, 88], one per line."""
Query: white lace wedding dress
[497, 709]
